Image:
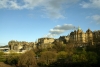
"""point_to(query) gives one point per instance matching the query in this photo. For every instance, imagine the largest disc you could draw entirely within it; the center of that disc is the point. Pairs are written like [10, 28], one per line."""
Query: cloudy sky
[28, 20]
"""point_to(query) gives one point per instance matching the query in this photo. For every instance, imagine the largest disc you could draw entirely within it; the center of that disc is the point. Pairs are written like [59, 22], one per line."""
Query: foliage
[27, 59]
[62, 55]
[12, 58]
[59, 46]
[47, 57]
[2, 58]
[92, 57]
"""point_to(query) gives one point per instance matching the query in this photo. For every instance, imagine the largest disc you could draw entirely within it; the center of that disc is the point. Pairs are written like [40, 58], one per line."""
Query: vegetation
[60, 55]
[27, 59]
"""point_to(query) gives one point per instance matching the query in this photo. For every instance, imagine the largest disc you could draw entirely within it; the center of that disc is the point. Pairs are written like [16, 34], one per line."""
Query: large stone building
[80, 38]
[45, 42]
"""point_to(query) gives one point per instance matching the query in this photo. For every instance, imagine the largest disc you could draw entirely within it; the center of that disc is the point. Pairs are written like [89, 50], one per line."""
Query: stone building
[19, 46]
[80, 38]
[45, 43]
[89, 37]
[45, 40]
[96, 37]
[64, 39]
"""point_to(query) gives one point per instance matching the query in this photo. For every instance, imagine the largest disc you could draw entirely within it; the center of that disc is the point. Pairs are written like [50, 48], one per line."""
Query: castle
[77, 37]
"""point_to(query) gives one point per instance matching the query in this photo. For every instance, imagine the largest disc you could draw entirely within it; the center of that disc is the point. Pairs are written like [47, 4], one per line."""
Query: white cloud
[96, 18]
[88, 17]
[11, 4]
[55, 15]
[31, 4]
[57, 30]
[91, 4]
[14, 5]
[65, 27]
[52, 8]
[3, 3]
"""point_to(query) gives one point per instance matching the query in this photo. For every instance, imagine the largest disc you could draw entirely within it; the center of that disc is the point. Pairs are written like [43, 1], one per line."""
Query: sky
[28, 20]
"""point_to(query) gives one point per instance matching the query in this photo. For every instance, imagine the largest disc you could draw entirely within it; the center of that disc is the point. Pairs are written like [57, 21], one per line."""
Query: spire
[79, 28]
[88, 30]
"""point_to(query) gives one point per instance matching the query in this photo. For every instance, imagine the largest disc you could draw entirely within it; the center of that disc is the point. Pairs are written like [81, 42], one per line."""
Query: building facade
[78, 37]
[45, 40]
[45, 43]
[64, 39]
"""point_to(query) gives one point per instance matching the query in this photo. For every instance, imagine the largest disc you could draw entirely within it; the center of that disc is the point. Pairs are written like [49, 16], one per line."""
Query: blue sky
[28, 20]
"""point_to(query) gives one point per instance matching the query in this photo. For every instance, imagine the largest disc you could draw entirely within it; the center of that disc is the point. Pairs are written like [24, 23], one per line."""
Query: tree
[2, 56]
[27, 59]
[12, 59]
[62, 55]
[47, 57]
[59, 46]
[92, 57]
[70, 48]
[75, 58]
